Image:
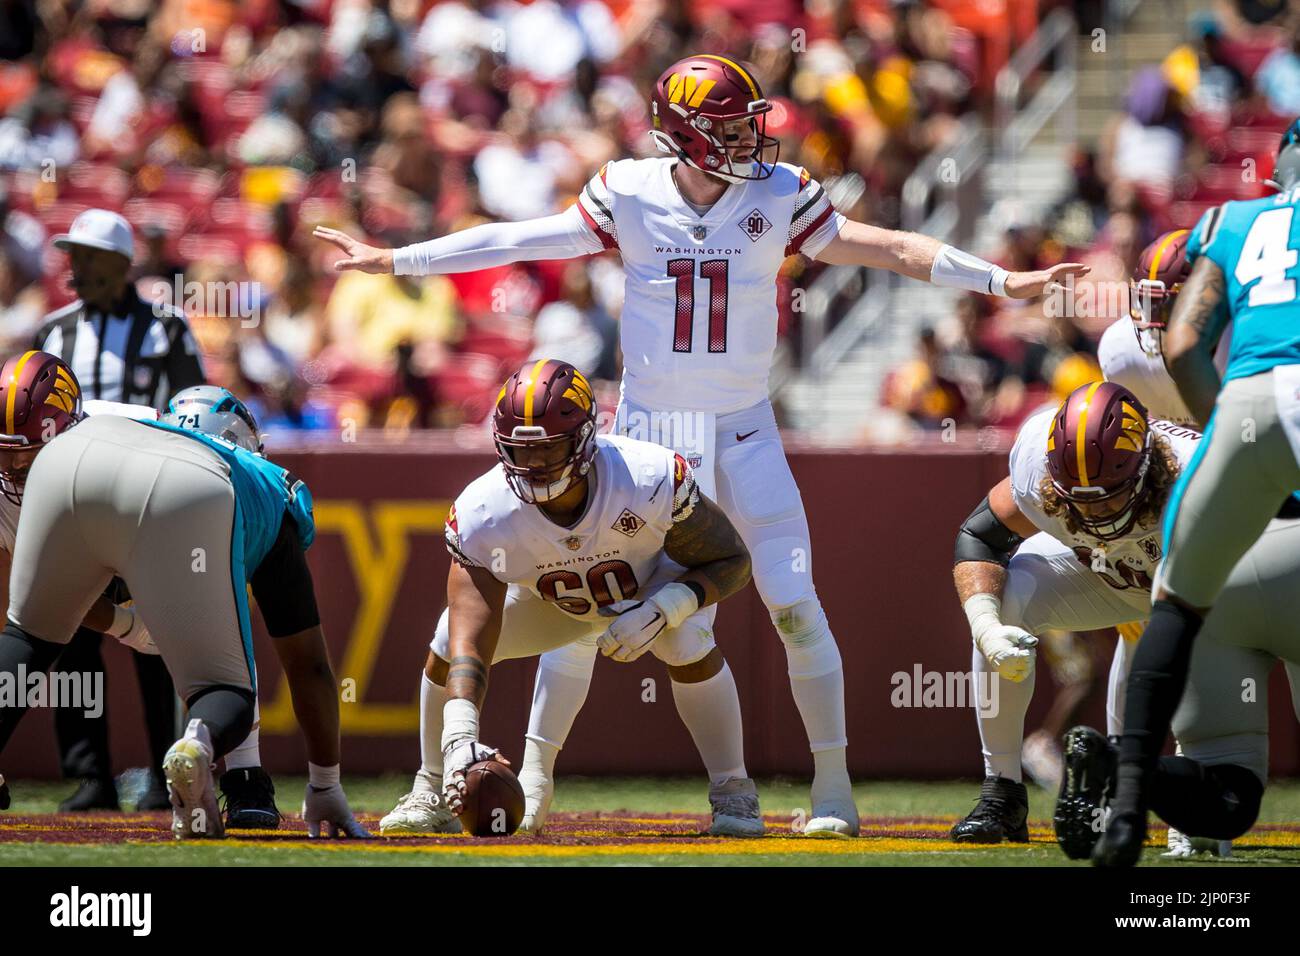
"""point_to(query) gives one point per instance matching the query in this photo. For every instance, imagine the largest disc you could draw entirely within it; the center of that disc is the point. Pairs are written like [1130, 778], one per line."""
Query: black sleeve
[984, 538]
[283, 587]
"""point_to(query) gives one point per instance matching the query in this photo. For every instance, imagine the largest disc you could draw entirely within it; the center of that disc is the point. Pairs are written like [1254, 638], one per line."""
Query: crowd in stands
[1195, 130]
[226, 130]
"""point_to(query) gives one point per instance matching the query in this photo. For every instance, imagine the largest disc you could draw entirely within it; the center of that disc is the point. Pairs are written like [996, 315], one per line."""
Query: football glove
[327, 813]
[454, 764]
[1009, 649]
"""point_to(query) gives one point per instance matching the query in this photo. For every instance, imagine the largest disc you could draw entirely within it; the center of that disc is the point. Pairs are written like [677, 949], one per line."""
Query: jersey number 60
[559, 586]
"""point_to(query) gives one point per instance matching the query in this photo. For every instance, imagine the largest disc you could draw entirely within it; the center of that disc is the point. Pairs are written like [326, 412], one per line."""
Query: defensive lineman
[1244, 270]
[702, 234]
[577, 537]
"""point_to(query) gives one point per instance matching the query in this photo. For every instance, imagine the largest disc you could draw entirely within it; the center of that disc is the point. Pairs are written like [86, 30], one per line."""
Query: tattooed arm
[707, 543]
[1194, 331]
[476, 599]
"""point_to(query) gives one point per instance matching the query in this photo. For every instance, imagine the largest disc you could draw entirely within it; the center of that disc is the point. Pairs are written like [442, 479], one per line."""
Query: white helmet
[214, 411]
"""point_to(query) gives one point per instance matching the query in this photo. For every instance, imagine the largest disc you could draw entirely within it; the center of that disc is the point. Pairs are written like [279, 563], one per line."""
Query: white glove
[136, 636]
[634, 630]
[1009, 649]
[454, 764]
[326, 809]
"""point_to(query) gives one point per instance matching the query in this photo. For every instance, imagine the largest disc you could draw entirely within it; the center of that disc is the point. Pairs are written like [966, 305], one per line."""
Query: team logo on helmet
[40, 399]
[544, 428]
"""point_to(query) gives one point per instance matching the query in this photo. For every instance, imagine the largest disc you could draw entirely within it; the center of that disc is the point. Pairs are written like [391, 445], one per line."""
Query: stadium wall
[882, 524]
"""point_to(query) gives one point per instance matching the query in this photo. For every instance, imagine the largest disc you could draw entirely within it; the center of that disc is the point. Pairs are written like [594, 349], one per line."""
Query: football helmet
[1286, 166]
[1161, 271]
[544, 428]
[692, 103]
[39, 400]
[214, 411]
[1098, 452]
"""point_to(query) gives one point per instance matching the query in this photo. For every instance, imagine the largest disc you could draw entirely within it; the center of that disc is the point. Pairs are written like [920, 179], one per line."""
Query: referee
[122, 349]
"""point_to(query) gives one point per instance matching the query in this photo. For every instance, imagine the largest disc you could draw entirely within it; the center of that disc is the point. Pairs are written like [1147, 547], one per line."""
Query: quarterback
[702, 233]
[575, 536]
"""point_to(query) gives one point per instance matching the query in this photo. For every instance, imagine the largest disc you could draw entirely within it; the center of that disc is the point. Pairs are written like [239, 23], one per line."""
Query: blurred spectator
[577, 330]
[39, 133]
[22, 306]
[924, 390]
[22, 240]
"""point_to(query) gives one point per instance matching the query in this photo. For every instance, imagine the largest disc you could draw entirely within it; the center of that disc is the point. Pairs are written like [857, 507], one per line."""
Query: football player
[1244, 270]
[702, 233]
[1068, 540]
[578, 537]
[187, 520]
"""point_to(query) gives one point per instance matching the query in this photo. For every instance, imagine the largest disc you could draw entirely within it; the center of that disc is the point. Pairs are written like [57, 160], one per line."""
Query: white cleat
[1183, 847]
[420, 813]
[188, 769]
[835, 819]
[538, 793]
[735, 809]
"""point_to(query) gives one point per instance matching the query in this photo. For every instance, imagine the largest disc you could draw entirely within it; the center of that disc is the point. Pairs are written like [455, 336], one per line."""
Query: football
[494, 800]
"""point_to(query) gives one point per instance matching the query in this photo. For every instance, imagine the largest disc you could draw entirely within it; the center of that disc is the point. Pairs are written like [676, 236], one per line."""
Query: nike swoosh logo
[740, 437]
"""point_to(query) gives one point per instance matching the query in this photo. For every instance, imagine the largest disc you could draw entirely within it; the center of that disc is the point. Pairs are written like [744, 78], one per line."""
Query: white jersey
[1125, 362]
[1130, 561]
[9, 511]
[641, 490]
[699, 324]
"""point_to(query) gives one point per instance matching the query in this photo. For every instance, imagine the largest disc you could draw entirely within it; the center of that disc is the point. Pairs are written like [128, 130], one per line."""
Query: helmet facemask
[1151, 303]
[554, 463]
[1115, 522]
[16, 457]
[718, 156]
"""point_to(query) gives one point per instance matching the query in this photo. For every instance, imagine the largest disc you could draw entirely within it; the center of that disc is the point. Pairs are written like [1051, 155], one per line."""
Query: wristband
[677, 601]
[321, 778]
[955, 269]
[983, 611]
[459, 723]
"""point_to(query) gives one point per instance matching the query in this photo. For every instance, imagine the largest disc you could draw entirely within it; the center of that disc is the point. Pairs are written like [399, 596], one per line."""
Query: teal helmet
[215, 411]
[1286, 169]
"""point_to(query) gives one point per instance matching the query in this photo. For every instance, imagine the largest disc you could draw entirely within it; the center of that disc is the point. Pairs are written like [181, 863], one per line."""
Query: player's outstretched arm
[1194, 331]
[985, 543]
[921, 257]
[563, 236]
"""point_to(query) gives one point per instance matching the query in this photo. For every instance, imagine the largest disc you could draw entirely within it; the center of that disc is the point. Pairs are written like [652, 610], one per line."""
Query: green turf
[780, 797]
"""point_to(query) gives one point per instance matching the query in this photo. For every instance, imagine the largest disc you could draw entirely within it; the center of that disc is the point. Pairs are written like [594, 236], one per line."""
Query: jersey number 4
[715, 270]
[1265, 256]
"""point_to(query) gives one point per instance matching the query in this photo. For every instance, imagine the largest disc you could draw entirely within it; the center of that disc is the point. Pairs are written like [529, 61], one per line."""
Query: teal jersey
[263, 493]
[1257, 245]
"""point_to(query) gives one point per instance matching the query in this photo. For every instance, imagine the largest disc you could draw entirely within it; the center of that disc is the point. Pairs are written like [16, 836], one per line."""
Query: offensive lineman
[702, 234]
[187, 520]
[577, 537]
[1244, 270]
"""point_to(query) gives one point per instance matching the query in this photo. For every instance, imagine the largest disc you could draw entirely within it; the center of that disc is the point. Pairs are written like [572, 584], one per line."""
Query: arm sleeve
[815, 222]
[283, 586]
[563, 236]
[686, 493]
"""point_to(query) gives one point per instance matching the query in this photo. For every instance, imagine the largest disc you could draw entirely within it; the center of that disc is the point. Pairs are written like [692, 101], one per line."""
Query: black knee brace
[227, 712]
[1220, 802]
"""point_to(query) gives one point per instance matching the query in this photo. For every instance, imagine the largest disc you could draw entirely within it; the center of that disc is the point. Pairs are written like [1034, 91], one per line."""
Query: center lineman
[187, 520]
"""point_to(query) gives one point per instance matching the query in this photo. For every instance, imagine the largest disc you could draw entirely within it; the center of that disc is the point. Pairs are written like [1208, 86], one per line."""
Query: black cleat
[1086, 788]
[999, 815]
[250, 799]
[4, 793]
[93, 794]
[1121, 845]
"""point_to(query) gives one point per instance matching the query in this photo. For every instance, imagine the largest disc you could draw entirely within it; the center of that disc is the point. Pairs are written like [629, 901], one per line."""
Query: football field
[602, 822]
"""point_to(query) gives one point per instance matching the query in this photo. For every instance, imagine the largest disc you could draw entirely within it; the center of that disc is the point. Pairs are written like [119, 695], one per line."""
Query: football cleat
[1183, 847]
[250, 799]
[188, 768]
[833, 819]
[1000, 814]
[538, 793]
[1086, 787]
[93, 794]
[1041, 759]
[735, 809]
[420, 813]
[1121, 844]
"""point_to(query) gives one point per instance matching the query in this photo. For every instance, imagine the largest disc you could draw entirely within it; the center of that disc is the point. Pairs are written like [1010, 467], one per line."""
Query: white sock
[1117, 685]
[817, 683]
[710, 709]
[432, 698]
[559, 691]
[1003, 733]
[247, 753]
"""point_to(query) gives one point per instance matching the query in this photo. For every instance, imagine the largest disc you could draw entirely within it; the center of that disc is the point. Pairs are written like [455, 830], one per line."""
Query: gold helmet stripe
[12, 399]
[1079, 449]
[1160, 252]
[532, 388]
[753, 87]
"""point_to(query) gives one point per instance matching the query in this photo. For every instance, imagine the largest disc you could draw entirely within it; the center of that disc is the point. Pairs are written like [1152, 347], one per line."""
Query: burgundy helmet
[1161, 271]
[1097, 455]
[39, 399]
[546, 413]
[692, 101]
